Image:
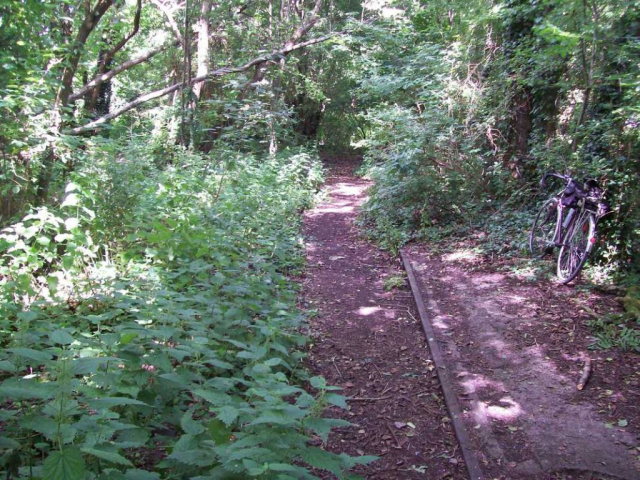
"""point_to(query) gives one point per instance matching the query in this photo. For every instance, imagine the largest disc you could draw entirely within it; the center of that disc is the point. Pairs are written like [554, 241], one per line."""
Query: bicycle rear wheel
[541, 238]
[576, 245]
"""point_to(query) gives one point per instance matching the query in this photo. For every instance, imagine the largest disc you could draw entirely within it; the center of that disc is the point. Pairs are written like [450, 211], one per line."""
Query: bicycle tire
[576, 246]
[541, 237]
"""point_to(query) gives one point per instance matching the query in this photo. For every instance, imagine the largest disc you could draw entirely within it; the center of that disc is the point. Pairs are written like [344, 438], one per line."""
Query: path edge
[451, 400]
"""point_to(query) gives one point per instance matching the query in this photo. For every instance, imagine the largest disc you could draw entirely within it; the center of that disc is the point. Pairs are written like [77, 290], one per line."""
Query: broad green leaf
[219, 363]
[318, 458]
[37, 355]
[191, 426]
[136, 474]
[220, 433]
[213, 397]
[199, 458]
[29, 315]
[227, 414]
[108, 402]
[337, 400]
[318, 382]
[86, 365]
[274, 417]
[128, 337]
[6, 442]
[111, 457]
[61, 337]
[322, 426]
[131, 438]
[66, 464]
[363, 459]
[26, 389]
[7, 366]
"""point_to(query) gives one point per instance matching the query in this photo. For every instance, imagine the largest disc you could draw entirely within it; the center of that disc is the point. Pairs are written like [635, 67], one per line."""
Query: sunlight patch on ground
[501, 347]
[463, 255]
[509, 410]
[331, 209]
[440, 322]
[476, 383]
[490, 279]
[525, 272]
[517, 299]
[349, 189]
[366, 311]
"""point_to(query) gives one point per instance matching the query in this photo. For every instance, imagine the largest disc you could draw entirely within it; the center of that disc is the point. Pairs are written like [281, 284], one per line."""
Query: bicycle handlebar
[543, 180]
[573, 188]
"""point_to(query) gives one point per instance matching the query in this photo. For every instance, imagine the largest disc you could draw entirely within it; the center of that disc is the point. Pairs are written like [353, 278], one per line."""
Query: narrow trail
[367, 340]
[511, 350]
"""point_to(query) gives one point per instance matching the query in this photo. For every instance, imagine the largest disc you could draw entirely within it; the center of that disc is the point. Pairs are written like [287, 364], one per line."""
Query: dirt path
[367, 340]
[515, 350]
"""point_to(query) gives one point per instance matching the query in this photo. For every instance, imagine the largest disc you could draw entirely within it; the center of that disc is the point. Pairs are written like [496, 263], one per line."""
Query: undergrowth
[620, 330]
[160, 339]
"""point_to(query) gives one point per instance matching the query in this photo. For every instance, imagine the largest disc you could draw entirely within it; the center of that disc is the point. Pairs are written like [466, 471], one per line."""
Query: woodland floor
[514, 350]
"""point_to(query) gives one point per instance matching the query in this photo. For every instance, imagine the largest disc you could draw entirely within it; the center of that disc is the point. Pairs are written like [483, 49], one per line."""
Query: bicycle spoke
[575, 248]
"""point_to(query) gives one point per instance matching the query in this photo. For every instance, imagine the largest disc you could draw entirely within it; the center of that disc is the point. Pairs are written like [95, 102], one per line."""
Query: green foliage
[164, 338]
[621, 330]
[394, 281]
[468, 104]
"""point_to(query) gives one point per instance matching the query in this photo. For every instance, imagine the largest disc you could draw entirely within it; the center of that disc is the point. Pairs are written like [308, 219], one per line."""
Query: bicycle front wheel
[576, 245]
[541, 238]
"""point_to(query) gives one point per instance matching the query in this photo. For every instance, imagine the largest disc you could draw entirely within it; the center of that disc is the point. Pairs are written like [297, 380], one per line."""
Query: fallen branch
[216, 73]
[367, 399]
[586, 371]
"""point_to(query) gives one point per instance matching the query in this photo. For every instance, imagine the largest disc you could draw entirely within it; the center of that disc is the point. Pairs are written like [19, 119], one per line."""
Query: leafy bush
[165, 338]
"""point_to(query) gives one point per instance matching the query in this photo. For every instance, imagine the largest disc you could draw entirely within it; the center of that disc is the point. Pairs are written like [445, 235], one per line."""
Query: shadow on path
[367, 340]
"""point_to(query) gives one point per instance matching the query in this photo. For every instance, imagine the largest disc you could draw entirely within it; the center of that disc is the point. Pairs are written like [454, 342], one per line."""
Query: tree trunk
[91, 19]
[202, 59]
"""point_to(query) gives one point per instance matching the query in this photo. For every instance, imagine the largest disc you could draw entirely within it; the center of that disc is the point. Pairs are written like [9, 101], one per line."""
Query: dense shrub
[149, 329]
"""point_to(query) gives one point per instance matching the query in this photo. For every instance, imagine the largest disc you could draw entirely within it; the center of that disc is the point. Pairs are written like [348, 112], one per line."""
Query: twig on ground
[333, 359]
[385, 389]
[394, 436]
[586, 371]
[367, 399]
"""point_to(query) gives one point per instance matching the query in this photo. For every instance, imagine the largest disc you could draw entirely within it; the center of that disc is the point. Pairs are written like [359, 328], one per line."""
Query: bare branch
[170, 20]
[300, 32]
[121, 68]
[136, 26]
[216, 73]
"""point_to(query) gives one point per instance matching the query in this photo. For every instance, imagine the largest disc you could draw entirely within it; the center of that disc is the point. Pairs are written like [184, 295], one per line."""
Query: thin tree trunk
[203, 47]
[186, 77]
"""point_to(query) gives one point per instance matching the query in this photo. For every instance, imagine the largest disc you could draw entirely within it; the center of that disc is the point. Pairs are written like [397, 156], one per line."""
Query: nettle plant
[176, 357]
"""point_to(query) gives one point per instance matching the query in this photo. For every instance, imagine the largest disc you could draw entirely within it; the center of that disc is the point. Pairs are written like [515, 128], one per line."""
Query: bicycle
[568, 220]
